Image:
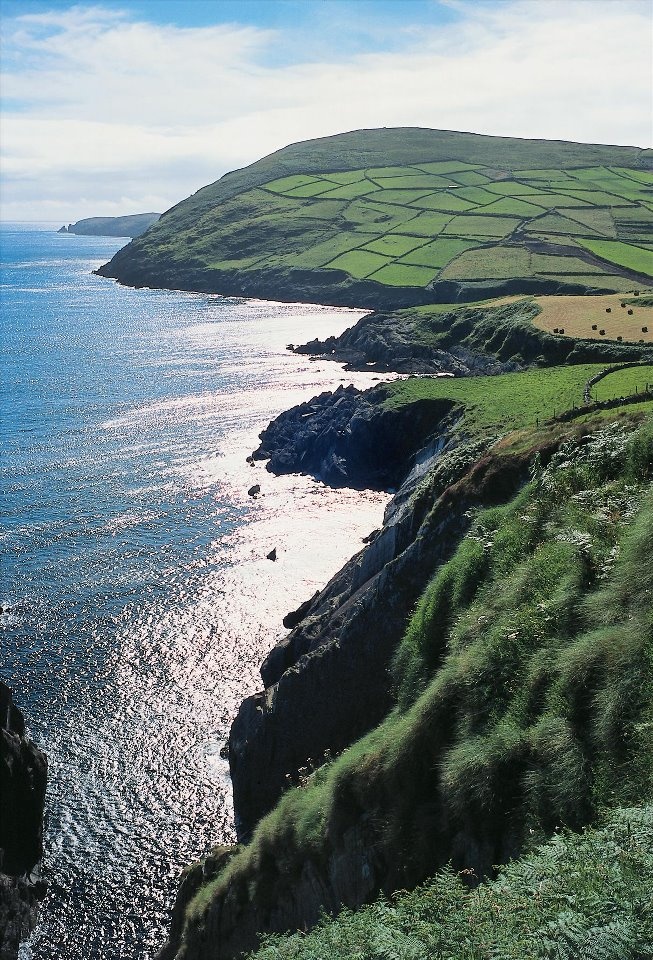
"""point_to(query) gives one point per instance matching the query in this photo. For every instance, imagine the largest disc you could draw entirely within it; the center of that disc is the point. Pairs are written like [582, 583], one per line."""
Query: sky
[110, 108]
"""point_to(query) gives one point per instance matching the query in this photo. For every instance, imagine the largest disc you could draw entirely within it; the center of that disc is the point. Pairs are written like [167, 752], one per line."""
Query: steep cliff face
[347, 438]
[522, 686]
[23, 772]
[327, 683]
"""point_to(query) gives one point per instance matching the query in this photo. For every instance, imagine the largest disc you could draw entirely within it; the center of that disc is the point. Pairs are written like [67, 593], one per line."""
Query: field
[489, 402]
[623, 383]
[578, 315]
[453, 207]
[479, 211]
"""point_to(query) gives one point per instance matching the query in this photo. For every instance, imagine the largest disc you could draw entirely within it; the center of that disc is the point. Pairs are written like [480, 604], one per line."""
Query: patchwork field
[602, 317]
[410, 216]
[487, 222]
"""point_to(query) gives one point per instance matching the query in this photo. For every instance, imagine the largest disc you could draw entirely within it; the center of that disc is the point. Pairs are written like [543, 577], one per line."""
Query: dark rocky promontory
[23, 774]
[349, 438]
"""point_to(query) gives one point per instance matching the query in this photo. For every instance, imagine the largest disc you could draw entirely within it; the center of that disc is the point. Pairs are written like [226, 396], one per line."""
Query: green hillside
[579, 895]
[523, 688]
[408, 216]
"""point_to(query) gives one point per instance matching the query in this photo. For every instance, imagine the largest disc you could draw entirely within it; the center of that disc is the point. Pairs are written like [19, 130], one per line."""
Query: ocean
[139, 599]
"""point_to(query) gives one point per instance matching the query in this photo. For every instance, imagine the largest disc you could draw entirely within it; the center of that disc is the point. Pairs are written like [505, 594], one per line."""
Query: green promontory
[397, 217]
[132, 225]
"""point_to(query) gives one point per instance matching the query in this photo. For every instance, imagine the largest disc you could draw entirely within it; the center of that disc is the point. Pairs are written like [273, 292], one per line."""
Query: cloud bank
[107, 114]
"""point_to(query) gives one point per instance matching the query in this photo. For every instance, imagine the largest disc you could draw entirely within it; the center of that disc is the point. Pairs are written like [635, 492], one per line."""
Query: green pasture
[623, 254]
[447, 202]
[474, 226]
[400, 274]
[394, 244]
[359, 263]
[411, 225]
[513, 206]
[623, 383]
[438, 252]
[470, 178]
[490, 403]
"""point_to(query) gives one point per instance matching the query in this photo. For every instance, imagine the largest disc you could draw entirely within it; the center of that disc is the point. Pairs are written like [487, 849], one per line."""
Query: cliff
[23, 772]
[472, 703]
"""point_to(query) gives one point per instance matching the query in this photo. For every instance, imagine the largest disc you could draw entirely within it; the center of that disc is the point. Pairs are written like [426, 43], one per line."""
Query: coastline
[176, 553]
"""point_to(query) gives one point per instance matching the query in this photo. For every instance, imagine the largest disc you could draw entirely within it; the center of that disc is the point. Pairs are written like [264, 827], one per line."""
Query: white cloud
[102, 110]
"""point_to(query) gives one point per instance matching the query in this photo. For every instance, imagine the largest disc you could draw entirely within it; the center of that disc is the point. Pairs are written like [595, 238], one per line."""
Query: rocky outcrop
[327, 682]
[348, 438]
[465, 341]
[23, 772]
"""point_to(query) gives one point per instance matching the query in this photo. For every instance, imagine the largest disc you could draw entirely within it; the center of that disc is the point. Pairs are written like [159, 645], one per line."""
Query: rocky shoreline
[328, 683]
[23, 776]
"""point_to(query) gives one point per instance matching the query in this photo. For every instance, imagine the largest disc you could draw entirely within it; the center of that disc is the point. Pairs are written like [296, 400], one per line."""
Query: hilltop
[132, 225]
[398, 217]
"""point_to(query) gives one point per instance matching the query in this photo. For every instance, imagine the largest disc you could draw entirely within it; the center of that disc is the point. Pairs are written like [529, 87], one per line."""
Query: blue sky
[117, 107]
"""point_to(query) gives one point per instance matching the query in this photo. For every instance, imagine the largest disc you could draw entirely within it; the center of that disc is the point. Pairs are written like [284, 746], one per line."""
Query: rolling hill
[397, 217]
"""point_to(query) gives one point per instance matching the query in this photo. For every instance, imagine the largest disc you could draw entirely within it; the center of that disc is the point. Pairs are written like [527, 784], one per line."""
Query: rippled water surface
[133, 563]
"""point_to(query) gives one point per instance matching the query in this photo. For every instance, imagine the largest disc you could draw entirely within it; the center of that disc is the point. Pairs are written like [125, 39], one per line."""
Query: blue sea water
[140, 602]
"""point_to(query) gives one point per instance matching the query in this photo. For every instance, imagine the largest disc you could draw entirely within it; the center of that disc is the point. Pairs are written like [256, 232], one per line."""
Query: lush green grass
[496, 262]
[359, 263]
[624, 254]
[513, 206]
[622, 383]
[490, 403]
[438, 252]
[270, 213]
[471, 226]
[394, 245]
[404, 275]
[579, 895]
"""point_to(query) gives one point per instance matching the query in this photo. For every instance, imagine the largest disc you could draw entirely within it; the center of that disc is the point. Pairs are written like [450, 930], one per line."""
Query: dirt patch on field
[600, 318]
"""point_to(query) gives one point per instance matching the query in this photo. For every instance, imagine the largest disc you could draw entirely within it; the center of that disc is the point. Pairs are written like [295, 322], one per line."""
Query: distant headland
[130, 226]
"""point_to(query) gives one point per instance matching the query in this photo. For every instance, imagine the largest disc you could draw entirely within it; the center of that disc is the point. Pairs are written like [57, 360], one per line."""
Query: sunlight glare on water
[134, 564]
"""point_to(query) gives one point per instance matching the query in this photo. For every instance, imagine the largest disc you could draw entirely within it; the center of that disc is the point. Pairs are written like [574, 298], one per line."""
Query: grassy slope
[524, 686]
[388, 209]
[579, 895]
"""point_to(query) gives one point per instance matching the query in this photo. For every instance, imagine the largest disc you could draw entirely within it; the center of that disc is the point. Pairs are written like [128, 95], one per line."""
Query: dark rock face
[386, 342]
[327, 682]
[347, 438]
[23, 774]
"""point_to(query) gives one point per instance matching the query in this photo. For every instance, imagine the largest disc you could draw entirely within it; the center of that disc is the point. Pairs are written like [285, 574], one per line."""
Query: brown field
[576, 316]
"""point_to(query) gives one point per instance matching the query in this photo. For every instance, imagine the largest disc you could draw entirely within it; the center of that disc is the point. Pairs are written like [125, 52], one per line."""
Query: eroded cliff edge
[328, 682]
[23, 775]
